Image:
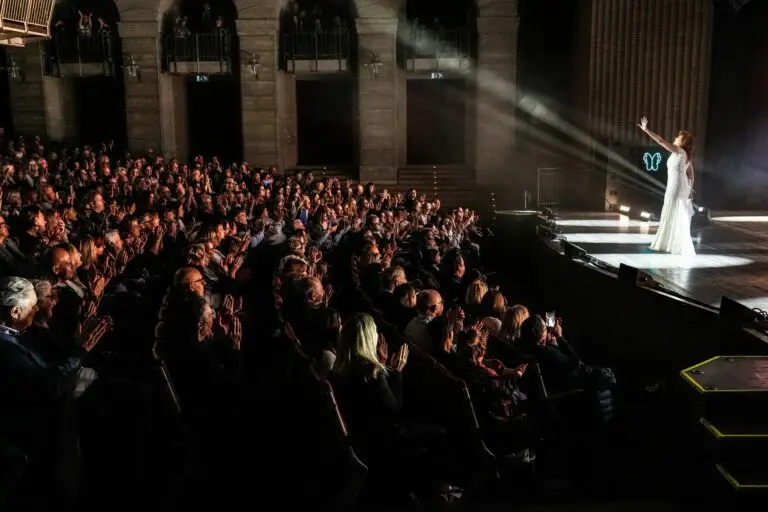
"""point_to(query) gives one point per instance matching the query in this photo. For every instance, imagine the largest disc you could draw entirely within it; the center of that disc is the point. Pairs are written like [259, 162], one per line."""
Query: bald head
[189, 279]
[430, 303]
[58, 263]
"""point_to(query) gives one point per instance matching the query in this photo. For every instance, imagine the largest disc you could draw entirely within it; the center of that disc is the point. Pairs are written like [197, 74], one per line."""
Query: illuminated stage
[731, 259]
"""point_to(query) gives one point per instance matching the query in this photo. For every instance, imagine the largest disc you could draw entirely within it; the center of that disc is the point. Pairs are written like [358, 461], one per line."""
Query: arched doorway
[83, 63]
[317, 54]
[6, 114]
[200, 46]
[437, 45]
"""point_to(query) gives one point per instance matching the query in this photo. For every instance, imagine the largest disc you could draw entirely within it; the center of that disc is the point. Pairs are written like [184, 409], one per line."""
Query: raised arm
[658, 139]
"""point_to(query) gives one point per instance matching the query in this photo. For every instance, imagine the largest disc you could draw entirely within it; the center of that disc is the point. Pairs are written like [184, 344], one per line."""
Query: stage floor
[731, 259]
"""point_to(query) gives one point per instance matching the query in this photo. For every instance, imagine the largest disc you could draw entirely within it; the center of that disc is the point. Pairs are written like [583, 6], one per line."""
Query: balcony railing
[71, 53]
[423, 43]
[209, 47]
[324, 45]
[24, 21]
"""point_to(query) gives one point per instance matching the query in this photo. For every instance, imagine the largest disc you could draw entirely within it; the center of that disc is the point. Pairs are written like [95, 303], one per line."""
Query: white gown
[674, 233]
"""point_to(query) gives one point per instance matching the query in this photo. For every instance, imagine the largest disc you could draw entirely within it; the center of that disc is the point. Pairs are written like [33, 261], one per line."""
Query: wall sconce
[375, 65]
[14, 70]
[133, 68]
[254, 64]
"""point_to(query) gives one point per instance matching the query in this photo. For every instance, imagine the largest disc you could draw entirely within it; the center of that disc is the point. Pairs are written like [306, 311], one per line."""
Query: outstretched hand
[643, 123]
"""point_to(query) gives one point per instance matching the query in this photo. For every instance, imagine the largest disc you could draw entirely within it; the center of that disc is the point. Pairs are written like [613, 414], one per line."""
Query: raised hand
[231, 329]
[643, 123]
[236, 264]
[399, 359]
[228, 305]
[88, 309]
[93, 330]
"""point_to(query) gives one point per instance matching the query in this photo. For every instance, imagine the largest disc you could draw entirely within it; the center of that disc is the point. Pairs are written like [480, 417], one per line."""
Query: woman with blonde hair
[512, 320]
[369, 392]
[474, 297]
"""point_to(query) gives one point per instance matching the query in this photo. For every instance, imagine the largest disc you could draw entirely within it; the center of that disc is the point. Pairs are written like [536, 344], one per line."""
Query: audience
[174, 302]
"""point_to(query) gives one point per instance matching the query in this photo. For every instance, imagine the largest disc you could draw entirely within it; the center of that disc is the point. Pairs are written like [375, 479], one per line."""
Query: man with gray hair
[33, 390]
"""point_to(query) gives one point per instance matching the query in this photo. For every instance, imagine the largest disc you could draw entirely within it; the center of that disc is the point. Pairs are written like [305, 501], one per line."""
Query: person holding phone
[560, 365]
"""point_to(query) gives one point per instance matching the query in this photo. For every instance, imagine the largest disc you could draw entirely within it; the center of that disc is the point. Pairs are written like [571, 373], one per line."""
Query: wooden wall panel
[646, 57]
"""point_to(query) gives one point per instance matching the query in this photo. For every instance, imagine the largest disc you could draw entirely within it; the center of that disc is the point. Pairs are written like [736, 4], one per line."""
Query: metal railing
[423, 43]
[24, 20]
[67, 47]
[206, 47]
[548, 187]
[322, 45]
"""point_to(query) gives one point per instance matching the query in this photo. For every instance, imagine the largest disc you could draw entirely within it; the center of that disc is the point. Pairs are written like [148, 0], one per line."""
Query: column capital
[257, 27]
[377, 26]
[132, 29]
[497, 25]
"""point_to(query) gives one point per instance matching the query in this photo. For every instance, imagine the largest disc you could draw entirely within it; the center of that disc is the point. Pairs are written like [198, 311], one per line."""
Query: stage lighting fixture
[631, 275]
[646, 215]
[624, 208]
[574, 252]
[546, 232]
[701, 216]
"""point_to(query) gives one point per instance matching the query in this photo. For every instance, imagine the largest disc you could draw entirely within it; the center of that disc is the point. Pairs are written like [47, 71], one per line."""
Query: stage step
[748, 479]
[730, 390]
[730, 396]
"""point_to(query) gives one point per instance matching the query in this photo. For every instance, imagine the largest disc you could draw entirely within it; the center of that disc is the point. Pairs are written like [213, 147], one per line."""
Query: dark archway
[201, 43]
[85, 52]
[436, 46]
[318, 45]
[6, 113]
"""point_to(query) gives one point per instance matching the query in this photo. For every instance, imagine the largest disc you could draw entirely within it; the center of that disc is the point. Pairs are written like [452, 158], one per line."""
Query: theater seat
[431, 394]
[320, 459]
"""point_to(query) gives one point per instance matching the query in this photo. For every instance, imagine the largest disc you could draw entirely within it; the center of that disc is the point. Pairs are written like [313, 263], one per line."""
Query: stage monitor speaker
[633, 276]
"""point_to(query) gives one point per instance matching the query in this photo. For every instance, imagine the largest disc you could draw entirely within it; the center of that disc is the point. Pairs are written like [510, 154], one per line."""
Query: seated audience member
[370, 393]
[473, 298]
[429, 305]
[560, 366]
[500, 405]
[442, 347]
[511, 322]
[400, 308]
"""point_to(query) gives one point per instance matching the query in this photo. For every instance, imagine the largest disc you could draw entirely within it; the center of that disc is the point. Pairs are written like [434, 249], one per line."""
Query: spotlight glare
[624, 208]
[646, 215]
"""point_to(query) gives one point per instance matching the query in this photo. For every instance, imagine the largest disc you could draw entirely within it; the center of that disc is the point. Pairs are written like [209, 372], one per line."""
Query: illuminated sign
[435, 75]
[652, 161]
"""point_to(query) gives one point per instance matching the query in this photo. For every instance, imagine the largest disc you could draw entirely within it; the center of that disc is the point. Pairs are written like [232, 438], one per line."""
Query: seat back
[163, 383]
[434, 395]
[329, 473]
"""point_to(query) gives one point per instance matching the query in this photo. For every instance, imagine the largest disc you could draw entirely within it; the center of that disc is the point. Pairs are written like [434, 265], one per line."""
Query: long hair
[358, 347]
[687, 143]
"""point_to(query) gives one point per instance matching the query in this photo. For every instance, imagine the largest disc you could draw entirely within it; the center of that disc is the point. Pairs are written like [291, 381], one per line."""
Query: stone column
[379, 108]
[145, 113]
[287, 120]
[259, 94]
[41, 105]
[174, 120]
[497, 27]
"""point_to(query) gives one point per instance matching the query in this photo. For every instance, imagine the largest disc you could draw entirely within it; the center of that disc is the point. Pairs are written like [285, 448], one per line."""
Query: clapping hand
[231, 329]
[399, 359]
[93, 330]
